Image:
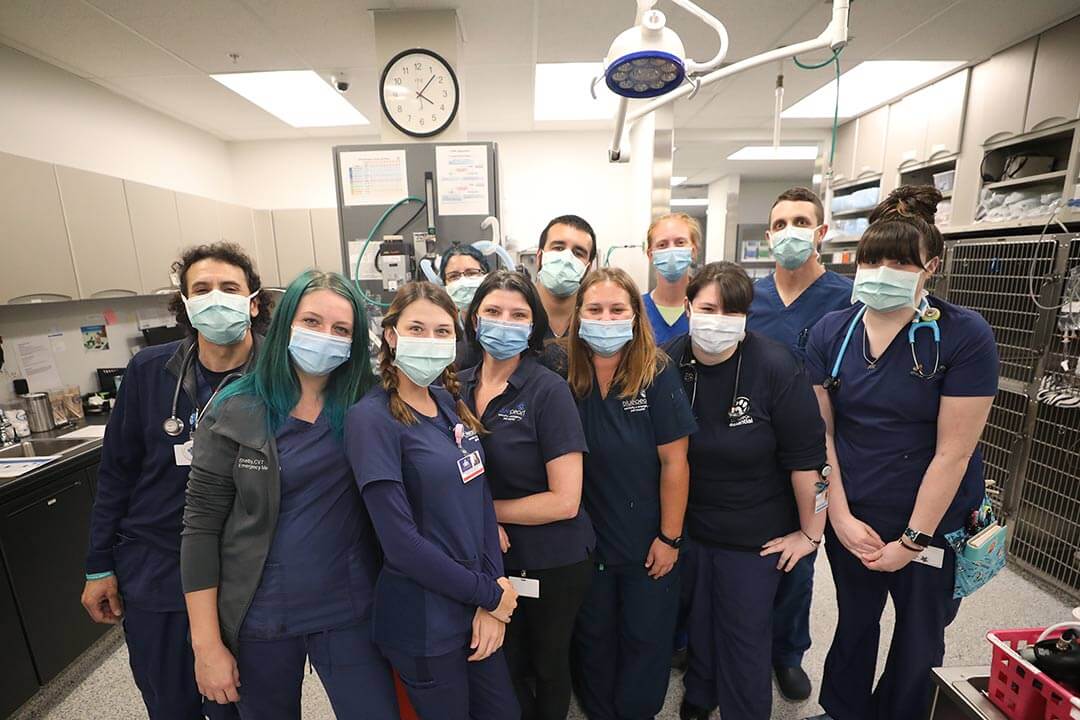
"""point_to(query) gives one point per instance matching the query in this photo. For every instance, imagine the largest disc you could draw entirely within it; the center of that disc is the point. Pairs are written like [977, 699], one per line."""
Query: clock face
[419, 93]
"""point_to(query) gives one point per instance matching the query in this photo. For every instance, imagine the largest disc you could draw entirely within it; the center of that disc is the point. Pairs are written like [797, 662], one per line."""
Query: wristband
[99, 575]
[815, 543]
[910, 548]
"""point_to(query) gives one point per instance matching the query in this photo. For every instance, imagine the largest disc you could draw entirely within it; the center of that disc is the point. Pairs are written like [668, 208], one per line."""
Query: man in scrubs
[786, 305]
[133, 562]
[567, 249]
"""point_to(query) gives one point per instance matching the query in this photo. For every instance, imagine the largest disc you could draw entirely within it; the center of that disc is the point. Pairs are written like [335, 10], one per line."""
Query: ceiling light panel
[561, 92]
[300, 98]
[868, 85]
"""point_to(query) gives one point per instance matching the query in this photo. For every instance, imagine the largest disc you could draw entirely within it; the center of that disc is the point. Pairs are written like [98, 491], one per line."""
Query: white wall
[756, 197]
[51, 115]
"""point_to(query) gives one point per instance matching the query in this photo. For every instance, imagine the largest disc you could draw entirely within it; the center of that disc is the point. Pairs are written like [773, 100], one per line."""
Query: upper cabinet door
[327, 239]
[100, 232]
[943, 106]
[295, 251]
[36, 264]
[1055, 84]
[844, 160]
[198, 219]
[238, 226]
[266, 249]
[870, 145]
[156, 230]
[906, 141]
[995, 106]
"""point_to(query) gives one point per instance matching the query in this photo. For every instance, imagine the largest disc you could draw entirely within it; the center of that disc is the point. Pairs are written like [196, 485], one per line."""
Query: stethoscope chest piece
[173, 426]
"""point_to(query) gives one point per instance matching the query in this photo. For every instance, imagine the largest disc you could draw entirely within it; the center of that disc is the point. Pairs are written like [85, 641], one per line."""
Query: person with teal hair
[278, 556]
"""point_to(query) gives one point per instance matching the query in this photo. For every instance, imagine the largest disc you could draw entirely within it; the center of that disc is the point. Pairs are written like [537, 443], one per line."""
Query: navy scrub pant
[924, 605]
[791, 614]
[621, 652]
[449, 687]
[163, 665]
[731, 632]
[357, 679]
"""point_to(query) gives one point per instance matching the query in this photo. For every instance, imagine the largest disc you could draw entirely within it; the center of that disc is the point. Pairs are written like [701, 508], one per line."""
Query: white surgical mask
[713, 334]
[885, 289]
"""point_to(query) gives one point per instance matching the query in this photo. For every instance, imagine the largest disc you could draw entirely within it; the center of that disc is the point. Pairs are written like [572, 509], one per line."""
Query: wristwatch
[671, 542]
[917, 538]
[825, 471]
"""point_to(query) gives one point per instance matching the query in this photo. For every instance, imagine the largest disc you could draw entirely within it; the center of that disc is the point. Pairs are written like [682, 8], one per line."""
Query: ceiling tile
[498, 97]
[323, 33]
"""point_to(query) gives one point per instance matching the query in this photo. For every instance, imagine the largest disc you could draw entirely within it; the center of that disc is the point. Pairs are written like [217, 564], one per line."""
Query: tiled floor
[103, 687]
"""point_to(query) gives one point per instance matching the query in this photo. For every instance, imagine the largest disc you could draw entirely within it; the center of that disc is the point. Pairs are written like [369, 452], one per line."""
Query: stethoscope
[927, 317]
[173, 425]
[688, 365]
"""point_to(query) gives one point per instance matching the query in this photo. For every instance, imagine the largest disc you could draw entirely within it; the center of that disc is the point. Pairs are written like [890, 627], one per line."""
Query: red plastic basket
[1021, 690]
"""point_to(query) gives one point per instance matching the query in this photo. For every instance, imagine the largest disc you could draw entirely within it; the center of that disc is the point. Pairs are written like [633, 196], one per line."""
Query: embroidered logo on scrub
[740, 413]
[636, 405]
[513, 414]
[253, 464]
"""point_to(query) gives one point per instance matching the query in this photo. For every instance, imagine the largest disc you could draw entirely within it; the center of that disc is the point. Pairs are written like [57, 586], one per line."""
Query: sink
[44, 446]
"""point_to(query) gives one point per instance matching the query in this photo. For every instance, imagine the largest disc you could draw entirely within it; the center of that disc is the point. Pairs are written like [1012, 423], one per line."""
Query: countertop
[86, 455]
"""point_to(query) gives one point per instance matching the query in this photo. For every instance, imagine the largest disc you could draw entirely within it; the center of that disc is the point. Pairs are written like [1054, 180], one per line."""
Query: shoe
[689, 711]
[794, 683]
[680, 659]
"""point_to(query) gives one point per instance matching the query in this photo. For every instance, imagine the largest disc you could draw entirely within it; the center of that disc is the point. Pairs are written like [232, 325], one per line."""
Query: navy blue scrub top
[457, 517]
[885, 419]
[663, 332]
[790, 325]
[622, 469]
[532, 422]
[320, 571]
[740, 468]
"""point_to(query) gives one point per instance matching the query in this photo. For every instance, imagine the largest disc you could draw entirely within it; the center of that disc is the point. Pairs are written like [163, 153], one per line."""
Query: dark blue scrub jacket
[623, 641]
[136, 521]
[885, 432]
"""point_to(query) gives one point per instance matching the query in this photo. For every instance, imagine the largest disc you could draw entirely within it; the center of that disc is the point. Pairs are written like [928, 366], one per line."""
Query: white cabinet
[100, 233]
[326, 239]
[870, 143]
[155, 228]
[36, 260]
[906, 141]
[1055, 83]
[944, 104]
[266, 249]
[996, 107]
[198, 219]
[237, 226]
[844, 159]
[292, 235]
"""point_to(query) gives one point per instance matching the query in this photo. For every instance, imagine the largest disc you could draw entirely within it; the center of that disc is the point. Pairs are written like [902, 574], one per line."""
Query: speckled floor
[100, 686]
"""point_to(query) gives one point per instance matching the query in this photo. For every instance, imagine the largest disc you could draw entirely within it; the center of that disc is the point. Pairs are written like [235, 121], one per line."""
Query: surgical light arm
[835, 36]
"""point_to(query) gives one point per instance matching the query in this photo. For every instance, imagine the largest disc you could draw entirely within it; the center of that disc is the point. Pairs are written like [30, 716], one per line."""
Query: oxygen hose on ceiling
[835, 60]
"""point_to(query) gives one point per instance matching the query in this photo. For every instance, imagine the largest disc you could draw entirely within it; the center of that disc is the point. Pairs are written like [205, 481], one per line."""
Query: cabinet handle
[32, 298]
[867, 170]
[998, 137]
[165, 291]
[114, 292]
[939, 149]
[1048, 122]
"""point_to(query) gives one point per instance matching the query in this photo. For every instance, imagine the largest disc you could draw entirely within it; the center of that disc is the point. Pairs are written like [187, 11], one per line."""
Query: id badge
[183, 453]
[821, 501]
[932, 556]
[470, 466]
[526, 587]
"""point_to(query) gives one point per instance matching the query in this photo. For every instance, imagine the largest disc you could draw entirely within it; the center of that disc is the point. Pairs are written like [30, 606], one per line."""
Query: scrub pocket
[148, 577]
[268, 615]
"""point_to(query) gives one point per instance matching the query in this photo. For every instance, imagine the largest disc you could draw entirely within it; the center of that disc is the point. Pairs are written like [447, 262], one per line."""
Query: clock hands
[421, 95]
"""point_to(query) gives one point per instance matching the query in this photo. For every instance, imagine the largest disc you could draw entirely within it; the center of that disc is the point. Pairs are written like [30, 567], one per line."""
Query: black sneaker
[689, 711]
[794, 683]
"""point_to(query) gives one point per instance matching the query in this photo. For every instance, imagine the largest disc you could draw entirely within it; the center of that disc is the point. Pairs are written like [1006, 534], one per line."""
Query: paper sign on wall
[373, 177]
[461, 175]
[367, 265]
[38, 363]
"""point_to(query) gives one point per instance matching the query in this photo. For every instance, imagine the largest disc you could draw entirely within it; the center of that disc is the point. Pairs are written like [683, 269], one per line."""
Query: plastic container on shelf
[1018, 688]
[943, 181]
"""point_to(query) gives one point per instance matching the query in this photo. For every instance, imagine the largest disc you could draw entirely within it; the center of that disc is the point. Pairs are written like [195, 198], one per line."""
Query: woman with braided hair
[441, 601]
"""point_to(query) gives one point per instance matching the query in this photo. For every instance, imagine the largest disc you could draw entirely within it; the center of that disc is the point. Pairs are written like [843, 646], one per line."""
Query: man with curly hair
[133, 562]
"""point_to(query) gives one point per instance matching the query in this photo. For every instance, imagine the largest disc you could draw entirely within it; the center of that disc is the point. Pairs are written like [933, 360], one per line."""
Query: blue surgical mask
[503, 340]
[423, 359]
[220, 317]
[606, 337]
[561, 272]
[792, 246]
[462, 290]
[672, 263]
[317, 353]
[885, 289]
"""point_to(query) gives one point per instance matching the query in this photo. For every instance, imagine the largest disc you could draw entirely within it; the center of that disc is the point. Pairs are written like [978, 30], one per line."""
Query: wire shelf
[993, 278]
[845, 269]
[1063, 359]
[1001, 438]
[1046, 537]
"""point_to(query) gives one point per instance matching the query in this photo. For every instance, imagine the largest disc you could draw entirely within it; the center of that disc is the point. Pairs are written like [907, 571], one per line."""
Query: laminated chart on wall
[373, 177]
[461, 176]
[38, 363]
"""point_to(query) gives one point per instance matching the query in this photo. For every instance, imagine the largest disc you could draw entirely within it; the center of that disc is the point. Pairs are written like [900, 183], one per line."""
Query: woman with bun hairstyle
[905, 382]
[441, 601]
